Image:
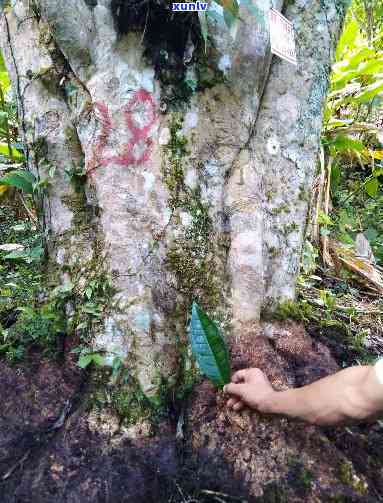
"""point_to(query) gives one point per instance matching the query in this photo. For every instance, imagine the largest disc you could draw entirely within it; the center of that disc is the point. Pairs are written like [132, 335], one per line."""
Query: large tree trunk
[198, 165]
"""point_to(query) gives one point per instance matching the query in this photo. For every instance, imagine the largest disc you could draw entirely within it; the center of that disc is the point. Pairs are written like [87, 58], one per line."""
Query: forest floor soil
[53, 450]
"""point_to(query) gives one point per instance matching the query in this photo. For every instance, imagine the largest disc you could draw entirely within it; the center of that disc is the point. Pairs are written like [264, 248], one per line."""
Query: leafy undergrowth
[21, 325]
[33, 308]
[24, 323]
[340, 290]
[345, 318]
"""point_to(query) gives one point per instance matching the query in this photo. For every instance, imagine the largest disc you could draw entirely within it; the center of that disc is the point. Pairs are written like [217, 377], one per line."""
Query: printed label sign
[282, 37]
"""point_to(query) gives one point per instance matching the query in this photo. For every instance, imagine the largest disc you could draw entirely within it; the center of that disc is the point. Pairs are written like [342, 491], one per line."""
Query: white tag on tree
[282, 37]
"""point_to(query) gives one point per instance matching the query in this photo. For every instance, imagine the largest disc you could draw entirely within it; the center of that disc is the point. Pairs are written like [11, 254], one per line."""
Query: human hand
[249, 387]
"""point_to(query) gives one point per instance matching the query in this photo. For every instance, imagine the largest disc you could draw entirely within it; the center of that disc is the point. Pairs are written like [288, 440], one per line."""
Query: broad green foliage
[352, 199]
[21, 325]
[11, 152]
[209, 347]
[369, 16]
[34, 316]
[352, 133]
[4, 79]
[21, 179]
[87, 359]
[8, 122]
[356, 82]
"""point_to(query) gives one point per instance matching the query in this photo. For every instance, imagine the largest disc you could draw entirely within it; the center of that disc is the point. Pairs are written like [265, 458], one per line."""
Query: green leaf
[63, 289]
[52, 171]
[372, 186]
[342, 143]
[3, 119]
[91, 309]
[209, 347]
[347, 40]
[335, 177]
[33, 255]
[21, 179]
[88, 292]
[16, 155]
[362, 54]
[230, 20]
[369, 92]
[36, 253]
[204, 26]
[85, 360]
[2, 64]
[346, 238]
[371, 67]
[365, 68]
[97, 359]
[371, 234]
[324, 219]
[15, 255]
[4, 78]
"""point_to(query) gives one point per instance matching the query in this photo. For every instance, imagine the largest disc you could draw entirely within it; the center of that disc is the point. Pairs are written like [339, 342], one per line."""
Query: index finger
[234, 389]
[239, 376]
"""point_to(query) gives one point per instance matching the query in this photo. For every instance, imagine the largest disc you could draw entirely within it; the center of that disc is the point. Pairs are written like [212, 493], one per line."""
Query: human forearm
[351, 394]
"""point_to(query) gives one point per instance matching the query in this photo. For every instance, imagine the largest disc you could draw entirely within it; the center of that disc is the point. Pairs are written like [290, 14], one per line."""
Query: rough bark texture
[199, 169]
[205, 202]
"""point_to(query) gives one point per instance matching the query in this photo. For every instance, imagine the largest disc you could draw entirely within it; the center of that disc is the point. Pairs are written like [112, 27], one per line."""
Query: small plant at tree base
[88, 357]
[299, 311]
[75, 174]
[35, 327]
[309, 258]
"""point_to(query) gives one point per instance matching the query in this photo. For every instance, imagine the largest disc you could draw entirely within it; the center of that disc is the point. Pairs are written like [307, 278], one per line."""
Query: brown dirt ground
[51, 452]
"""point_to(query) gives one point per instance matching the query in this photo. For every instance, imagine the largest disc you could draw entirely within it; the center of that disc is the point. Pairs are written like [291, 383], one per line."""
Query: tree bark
[198, 165]
[220, 219]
